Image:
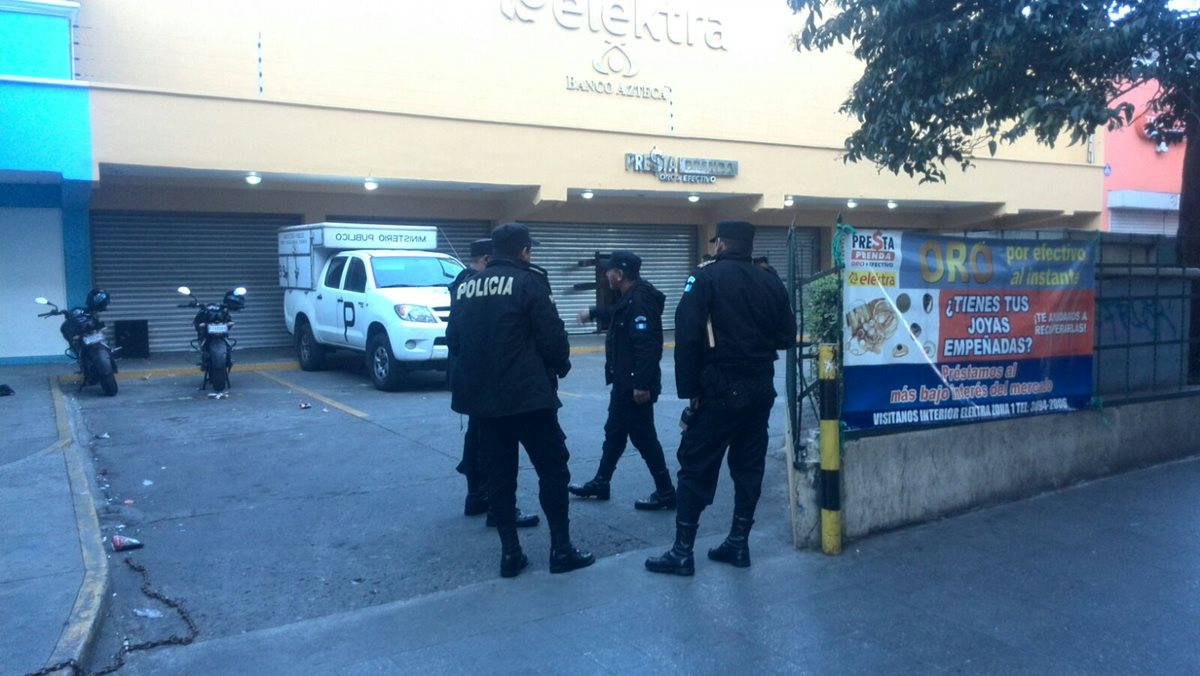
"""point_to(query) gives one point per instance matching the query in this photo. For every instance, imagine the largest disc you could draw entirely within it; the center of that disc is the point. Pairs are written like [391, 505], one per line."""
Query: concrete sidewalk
[52, 568]
[1099, 579]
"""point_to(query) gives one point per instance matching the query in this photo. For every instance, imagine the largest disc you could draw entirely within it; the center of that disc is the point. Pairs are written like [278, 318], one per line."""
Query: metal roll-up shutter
[1144, 221]
[141, 258]
[771, 242]
[668, 255]
[454, 237]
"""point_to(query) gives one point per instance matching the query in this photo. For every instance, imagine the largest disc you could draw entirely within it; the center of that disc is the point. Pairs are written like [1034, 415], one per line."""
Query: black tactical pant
[545, 443]
[630, 421]
[724, 420]
[471, 466]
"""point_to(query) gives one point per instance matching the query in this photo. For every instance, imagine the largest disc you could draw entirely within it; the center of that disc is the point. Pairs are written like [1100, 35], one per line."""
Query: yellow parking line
[313, 395]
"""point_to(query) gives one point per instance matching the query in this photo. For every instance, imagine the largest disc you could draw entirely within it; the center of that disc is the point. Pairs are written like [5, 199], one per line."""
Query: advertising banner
[941, 330]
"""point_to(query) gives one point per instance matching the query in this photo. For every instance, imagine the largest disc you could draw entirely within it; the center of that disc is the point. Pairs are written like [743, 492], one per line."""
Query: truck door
[329, 303]
[354, 303]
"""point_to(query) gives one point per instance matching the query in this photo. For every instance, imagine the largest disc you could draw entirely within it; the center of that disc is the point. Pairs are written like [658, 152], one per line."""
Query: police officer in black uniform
[511, 348]
[632, 351]
[732, 318]
[470, 465]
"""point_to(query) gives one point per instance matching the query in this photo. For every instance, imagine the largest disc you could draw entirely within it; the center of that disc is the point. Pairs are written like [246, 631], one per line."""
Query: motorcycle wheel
[103, 368]
[382, 365]
[218, 364]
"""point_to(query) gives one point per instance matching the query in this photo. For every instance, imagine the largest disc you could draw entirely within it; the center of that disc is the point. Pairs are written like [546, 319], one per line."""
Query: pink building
[1143, 175]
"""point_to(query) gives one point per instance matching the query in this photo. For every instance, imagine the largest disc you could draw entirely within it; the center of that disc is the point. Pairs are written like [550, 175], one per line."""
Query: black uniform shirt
[634, 344]
[508, 342]
[732, 313]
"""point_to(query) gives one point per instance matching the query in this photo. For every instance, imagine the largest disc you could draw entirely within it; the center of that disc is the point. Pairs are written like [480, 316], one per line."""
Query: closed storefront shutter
[1144, 221]
[141, 258]
[454, 237]
[668, 255]
[771, 242]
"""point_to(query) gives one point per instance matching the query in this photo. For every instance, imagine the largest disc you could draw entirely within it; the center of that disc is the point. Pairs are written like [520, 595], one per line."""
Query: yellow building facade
[600, 123]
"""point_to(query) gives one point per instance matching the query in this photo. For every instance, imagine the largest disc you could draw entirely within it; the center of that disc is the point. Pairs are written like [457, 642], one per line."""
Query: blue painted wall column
[77, 239]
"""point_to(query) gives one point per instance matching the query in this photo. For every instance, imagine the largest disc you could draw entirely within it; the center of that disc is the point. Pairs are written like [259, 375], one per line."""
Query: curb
[75, 642]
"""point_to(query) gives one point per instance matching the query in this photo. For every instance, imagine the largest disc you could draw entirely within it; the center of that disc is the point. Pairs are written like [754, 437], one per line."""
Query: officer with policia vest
[731, 320]
[632, 351]
[511, 348]
[470, 465]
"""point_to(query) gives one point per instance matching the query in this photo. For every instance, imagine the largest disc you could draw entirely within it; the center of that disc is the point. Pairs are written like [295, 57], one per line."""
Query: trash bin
[132, 337]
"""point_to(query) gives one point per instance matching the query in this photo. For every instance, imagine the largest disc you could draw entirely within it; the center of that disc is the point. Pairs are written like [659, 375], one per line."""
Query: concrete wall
[900, 479]
[31, 265]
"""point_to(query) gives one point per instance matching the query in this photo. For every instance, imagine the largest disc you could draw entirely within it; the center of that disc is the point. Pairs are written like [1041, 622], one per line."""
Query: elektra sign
[620, 24]
[644, 19]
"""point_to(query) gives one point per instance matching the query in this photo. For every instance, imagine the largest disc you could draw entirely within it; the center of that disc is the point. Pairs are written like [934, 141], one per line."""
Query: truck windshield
[413, 271]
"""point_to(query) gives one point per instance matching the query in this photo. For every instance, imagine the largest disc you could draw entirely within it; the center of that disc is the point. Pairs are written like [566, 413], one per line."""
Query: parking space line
[313, 395]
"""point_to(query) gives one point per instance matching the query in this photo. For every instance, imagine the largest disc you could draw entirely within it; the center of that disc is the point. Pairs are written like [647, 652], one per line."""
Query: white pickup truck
[376, 289]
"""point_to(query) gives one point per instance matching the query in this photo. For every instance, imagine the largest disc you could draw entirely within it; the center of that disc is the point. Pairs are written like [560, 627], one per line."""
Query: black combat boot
[523, 520]
[477, 495]
[476, 503]
[663, 496]
[678, 559]
[596, 488]
[512, 559]
[564, 557]
[735, 550]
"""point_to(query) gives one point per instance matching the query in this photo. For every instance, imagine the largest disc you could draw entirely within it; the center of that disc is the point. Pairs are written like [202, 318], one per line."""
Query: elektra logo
[656, 20]
[615, 61]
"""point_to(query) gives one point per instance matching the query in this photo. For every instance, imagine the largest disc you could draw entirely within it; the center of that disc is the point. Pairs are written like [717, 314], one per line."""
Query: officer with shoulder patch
[731, 320]
[632, 351]
[470, 465]
[511, 348]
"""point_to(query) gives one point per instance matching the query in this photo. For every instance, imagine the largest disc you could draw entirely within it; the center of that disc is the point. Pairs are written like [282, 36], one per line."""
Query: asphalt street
[257, 511]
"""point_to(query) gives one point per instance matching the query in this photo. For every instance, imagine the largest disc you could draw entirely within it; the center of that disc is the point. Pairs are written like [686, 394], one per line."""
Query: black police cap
[481, 247]
[626, 261]
[735, 230]
[512, 237]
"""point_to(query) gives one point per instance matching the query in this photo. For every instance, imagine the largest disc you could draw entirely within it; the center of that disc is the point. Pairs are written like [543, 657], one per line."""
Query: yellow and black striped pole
[831, 463]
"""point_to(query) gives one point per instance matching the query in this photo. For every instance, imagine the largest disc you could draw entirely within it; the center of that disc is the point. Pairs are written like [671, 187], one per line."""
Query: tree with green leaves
[944, 79]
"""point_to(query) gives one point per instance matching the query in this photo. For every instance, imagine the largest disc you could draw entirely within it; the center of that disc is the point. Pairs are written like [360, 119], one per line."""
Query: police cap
[481, 247]
[740, 231]
[625, 261]
[511, 238]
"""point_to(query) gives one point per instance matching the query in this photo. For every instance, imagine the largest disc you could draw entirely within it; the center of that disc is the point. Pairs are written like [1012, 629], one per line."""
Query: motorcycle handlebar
[50, 313]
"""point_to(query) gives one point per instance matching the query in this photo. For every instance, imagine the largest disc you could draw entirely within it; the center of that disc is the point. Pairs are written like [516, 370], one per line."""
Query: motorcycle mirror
[41, 301]
[185, 291]
[240, 291]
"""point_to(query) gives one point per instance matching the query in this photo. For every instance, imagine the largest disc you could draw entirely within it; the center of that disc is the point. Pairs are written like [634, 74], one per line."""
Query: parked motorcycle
[84, 333]
[212, 323]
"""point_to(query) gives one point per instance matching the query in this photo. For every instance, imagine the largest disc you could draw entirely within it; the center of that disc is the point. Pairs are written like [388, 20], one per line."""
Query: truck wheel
[309, 352]
[382, 364]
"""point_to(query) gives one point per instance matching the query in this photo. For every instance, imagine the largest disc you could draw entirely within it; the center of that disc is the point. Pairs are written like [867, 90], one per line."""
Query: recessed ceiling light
[693, 198]
[370, 183]
[253, 178]
[851, 203]
[587, 194]
[892, 204]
